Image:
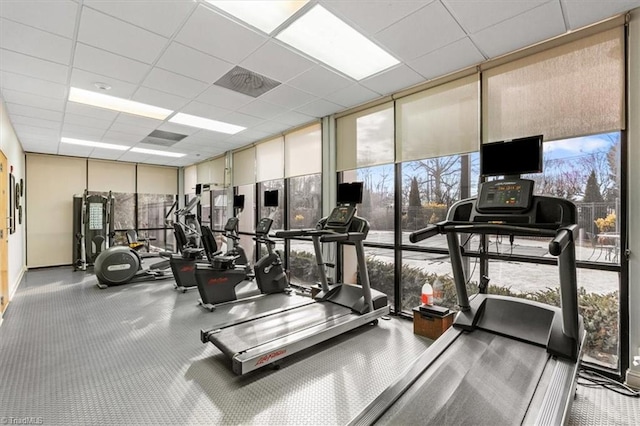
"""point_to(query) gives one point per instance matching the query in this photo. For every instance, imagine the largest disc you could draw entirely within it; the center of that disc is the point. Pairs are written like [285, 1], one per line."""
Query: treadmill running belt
[482, 379]
[247, 335]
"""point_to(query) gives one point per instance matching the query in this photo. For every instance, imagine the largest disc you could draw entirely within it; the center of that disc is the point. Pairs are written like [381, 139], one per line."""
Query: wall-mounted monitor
[238, 202]
[512, 157]
[271, 198]
[350, 193]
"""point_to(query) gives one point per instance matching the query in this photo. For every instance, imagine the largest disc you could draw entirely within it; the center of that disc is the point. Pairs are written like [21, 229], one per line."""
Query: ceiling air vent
[247, 82]
[162, 138]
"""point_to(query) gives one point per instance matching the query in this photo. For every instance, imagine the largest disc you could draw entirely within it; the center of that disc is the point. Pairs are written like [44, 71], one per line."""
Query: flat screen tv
[271, 198]
[512, 157]
[350, 193]
[238, 202]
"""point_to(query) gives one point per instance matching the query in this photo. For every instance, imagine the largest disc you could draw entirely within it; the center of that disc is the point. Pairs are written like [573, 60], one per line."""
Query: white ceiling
[168, 53]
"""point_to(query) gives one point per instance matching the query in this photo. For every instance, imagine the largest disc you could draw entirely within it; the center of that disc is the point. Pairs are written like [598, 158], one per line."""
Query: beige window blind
[303, 151]
[270, 159]
[244, 167]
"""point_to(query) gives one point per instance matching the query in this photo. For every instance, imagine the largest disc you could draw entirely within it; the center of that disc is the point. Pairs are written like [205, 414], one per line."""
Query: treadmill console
[340, 218]
[231, 225]
[505, 195]
[263, 227]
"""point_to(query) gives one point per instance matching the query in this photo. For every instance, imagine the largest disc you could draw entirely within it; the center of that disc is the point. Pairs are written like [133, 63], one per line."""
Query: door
[4, 233]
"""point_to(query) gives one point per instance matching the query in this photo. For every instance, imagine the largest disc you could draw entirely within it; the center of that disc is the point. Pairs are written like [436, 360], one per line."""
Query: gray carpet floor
[71, 353]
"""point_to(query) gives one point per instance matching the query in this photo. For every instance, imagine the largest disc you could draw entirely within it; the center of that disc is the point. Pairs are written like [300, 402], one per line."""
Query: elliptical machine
[119, 265]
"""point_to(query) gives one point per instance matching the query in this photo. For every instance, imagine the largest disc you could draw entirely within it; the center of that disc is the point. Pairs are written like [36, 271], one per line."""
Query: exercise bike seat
[224, 262]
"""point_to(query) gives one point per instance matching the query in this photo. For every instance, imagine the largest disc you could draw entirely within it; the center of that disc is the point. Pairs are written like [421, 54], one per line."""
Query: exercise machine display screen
[341, 216]
[232, 224]
[263, 227]
[505, 195]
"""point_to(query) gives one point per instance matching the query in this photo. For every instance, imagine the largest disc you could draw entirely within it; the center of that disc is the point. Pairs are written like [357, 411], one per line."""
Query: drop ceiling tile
[476, 15]
[424, 31]
[276, 61]
[379, 14]
[74, 150]
[113, 35]
[531, 27]
[141, 132]
[352, 95]
[105, 154]
[205, 110]
[319, 81]
[319, 108]
[92, 59]
[456, 56]
[240, 119]
[293, 118]
[178, 128]
[287, 96]
[82, 132]
[33, 67]
[260, 109]
[21, 120]
[83, 120]
[58, 17]
[42, 146]
[161, 17]
[90, 111]
[120, 138]
[273, 127]
[29, 111]
[225, 98]
[134, 157]
[236, 44]
[33, 42]
[244, 138]
[397, 78]
[32, 85]
[86, 80]
[193, 63]
[173, 83]
[28, 99]
[158, 98]
[579, 16]
[38, 132]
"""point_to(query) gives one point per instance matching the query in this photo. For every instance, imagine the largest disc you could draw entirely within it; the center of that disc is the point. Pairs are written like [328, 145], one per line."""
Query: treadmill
[506, 360]
[260, 340]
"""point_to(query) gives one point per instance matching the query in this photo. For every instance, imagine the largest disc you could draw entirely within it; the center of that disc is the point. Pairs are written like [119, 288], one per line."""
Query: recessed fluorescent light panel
[206, 123]
[264, 15]
[156, 152]
[320, 34]
[93, 144]
[101, 100]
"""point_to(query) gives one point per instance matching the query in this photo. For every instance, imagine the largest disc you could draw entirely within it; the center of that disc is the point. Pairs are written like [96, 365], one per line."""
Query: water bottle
[427, 294]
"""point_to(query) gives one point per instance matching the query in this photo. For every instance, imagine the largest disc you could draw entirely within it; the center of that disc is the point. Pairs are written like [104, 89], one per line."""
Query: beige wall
[51, 183]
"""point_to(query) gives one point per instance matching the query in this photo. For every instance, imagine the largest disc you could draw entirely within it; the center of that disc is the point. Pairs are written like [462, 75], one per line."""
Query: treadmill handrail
[293, 233]
[349, 236]
[445, 227]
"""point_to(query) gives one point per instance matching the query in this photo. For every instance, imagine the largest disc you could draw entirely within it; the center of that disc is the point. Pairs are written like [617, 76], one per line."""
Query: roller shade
[157, 180]
[270, 160]
[244, 167]
[443, 120]
[365, 138]
[212, 172]
[104, 176]
[303, 151]
[571, 90]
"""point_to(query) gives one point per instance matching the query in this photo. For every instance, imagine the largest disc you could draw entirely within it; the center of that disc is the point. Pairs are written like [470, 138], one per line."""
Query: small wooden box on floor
[431, 325]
